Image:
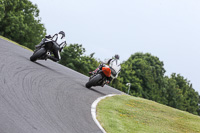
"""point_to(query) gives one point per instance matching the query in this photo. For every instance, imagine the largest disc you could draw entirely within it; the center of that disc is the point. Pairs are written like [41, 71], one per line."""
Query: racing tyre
[37, 54]
[93, 81]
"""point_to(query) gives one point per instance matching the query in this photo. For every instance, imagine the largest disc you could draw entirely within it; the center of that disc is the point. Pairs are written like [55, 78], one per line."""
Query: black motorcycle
[45, 48]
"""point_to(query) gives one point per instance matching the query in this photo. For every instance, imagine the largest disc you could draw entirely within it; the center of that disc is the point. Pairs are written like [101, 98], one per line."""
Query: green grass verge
[128, 114]
[15, 43]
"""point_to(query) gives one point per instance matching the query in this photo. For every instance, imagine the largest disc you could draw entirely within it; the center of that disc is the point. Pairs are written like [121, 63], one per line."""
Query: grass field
[128, 114]
[14, 42]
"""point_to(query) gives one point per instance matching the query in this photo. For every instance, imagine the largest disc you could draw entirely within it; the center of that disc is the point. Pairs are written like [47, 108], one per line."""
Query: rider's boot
[52, 58]
[93, 72]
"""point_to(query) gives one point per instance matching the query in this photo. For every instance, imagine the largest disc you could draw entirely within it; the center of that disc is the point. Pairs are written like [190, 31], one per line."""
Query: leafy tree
[19, 21]
[181, 95]
[118, 83]
[73, 58]
[2, 10]
[175, 97]
[198, 111]
[145, 73]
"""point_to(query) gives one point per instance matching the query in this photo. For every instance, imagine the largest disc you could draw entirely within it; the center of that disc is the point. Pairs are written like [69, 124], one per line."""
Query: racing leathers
[59, 43]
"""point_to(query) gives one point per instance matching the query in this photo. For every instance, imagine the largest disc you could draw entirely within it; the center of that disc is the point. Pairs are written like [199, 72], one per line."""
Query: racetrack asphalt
[44, 96]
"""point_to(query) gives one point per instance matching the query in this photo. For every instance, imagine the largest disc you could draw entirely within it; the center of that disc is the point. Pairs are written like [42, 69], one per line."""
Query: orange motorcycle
[101, 77]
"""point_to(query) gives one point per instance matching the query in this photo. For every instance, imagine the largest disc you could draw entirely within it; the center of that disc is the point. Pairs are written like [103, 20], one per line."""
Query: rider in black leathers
[59, 43]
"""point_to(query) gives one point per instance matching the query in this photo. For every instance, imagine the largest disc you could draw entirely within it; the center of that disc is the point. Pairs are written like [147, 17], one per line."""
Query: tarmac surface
[44, 96]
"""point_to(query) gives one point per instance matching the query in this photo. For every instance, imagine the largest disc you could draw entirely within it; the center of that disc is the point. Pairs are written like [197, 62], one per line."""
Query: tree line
[146, 74]
[20, 22]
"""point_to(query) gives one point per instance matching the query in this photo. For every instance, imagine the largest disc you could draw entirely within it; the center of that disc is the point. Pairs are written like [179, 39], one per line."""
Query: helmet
[117, 56]
[62, 33]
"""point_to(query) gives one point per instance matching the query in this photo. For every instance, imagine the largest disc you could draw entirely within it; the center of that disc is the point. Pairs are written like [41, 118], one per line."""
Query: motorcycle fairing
[106, 71]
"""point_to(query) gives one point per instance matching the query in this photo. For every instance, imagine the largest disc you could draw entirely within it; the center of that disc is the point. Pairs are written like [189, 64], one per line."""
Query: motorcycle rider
[113, 63]
[59, 43]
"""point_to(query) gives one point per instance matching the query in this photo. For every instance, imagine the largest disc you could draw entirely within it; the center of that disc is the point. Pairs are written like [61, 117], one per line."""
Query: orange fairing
[106, 71]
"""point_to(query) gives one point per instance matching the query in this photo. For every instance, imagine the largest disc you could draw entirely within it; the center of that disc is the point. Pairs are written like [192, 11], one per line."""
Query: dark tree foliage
[181, 95]
[20, 22]
[145, 73]
[198, 111]
[73, 58]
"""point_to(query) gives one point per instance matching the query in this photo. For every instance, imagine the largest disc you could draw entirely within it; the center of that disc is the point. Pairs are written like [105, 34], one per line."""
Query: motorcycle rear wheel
[93, 81]
[37, 54]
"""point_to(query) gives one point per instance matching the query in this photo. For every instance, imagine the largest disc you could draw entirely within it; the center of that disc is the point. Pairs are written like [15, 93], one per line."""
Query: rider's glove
[49, 36]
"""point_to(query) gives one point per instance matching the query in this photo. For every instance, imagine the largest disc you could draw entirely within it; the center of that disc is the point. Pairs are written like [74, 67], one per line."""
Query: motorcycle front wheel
[38, 54]
[93, 81]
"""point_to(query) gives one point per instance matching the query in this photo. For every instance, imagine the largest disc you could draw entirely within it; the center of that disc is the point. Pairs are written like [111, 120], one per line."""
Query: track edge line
[93, 110]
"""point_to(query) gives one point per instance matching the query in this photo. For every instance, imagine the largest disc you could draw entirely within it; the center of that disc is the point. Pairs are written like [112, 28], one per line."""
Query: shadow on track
[101, 93]
[43, 65]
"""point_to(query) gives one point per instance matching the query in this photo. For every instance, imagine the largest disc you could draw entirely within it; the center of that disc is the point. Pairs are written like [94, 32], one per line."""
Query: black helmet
[62, 33]
[117, 56]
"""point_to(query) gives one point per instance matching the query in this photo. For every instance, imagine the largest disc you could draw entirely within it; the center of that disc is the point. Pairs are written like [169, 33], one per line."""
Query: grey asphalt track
[43, 96]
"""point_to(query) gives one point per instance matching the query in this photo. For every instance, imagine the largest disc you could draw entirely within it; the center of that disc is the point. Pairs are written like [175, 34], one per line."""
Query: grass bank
[15, 43]
[128, 114]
